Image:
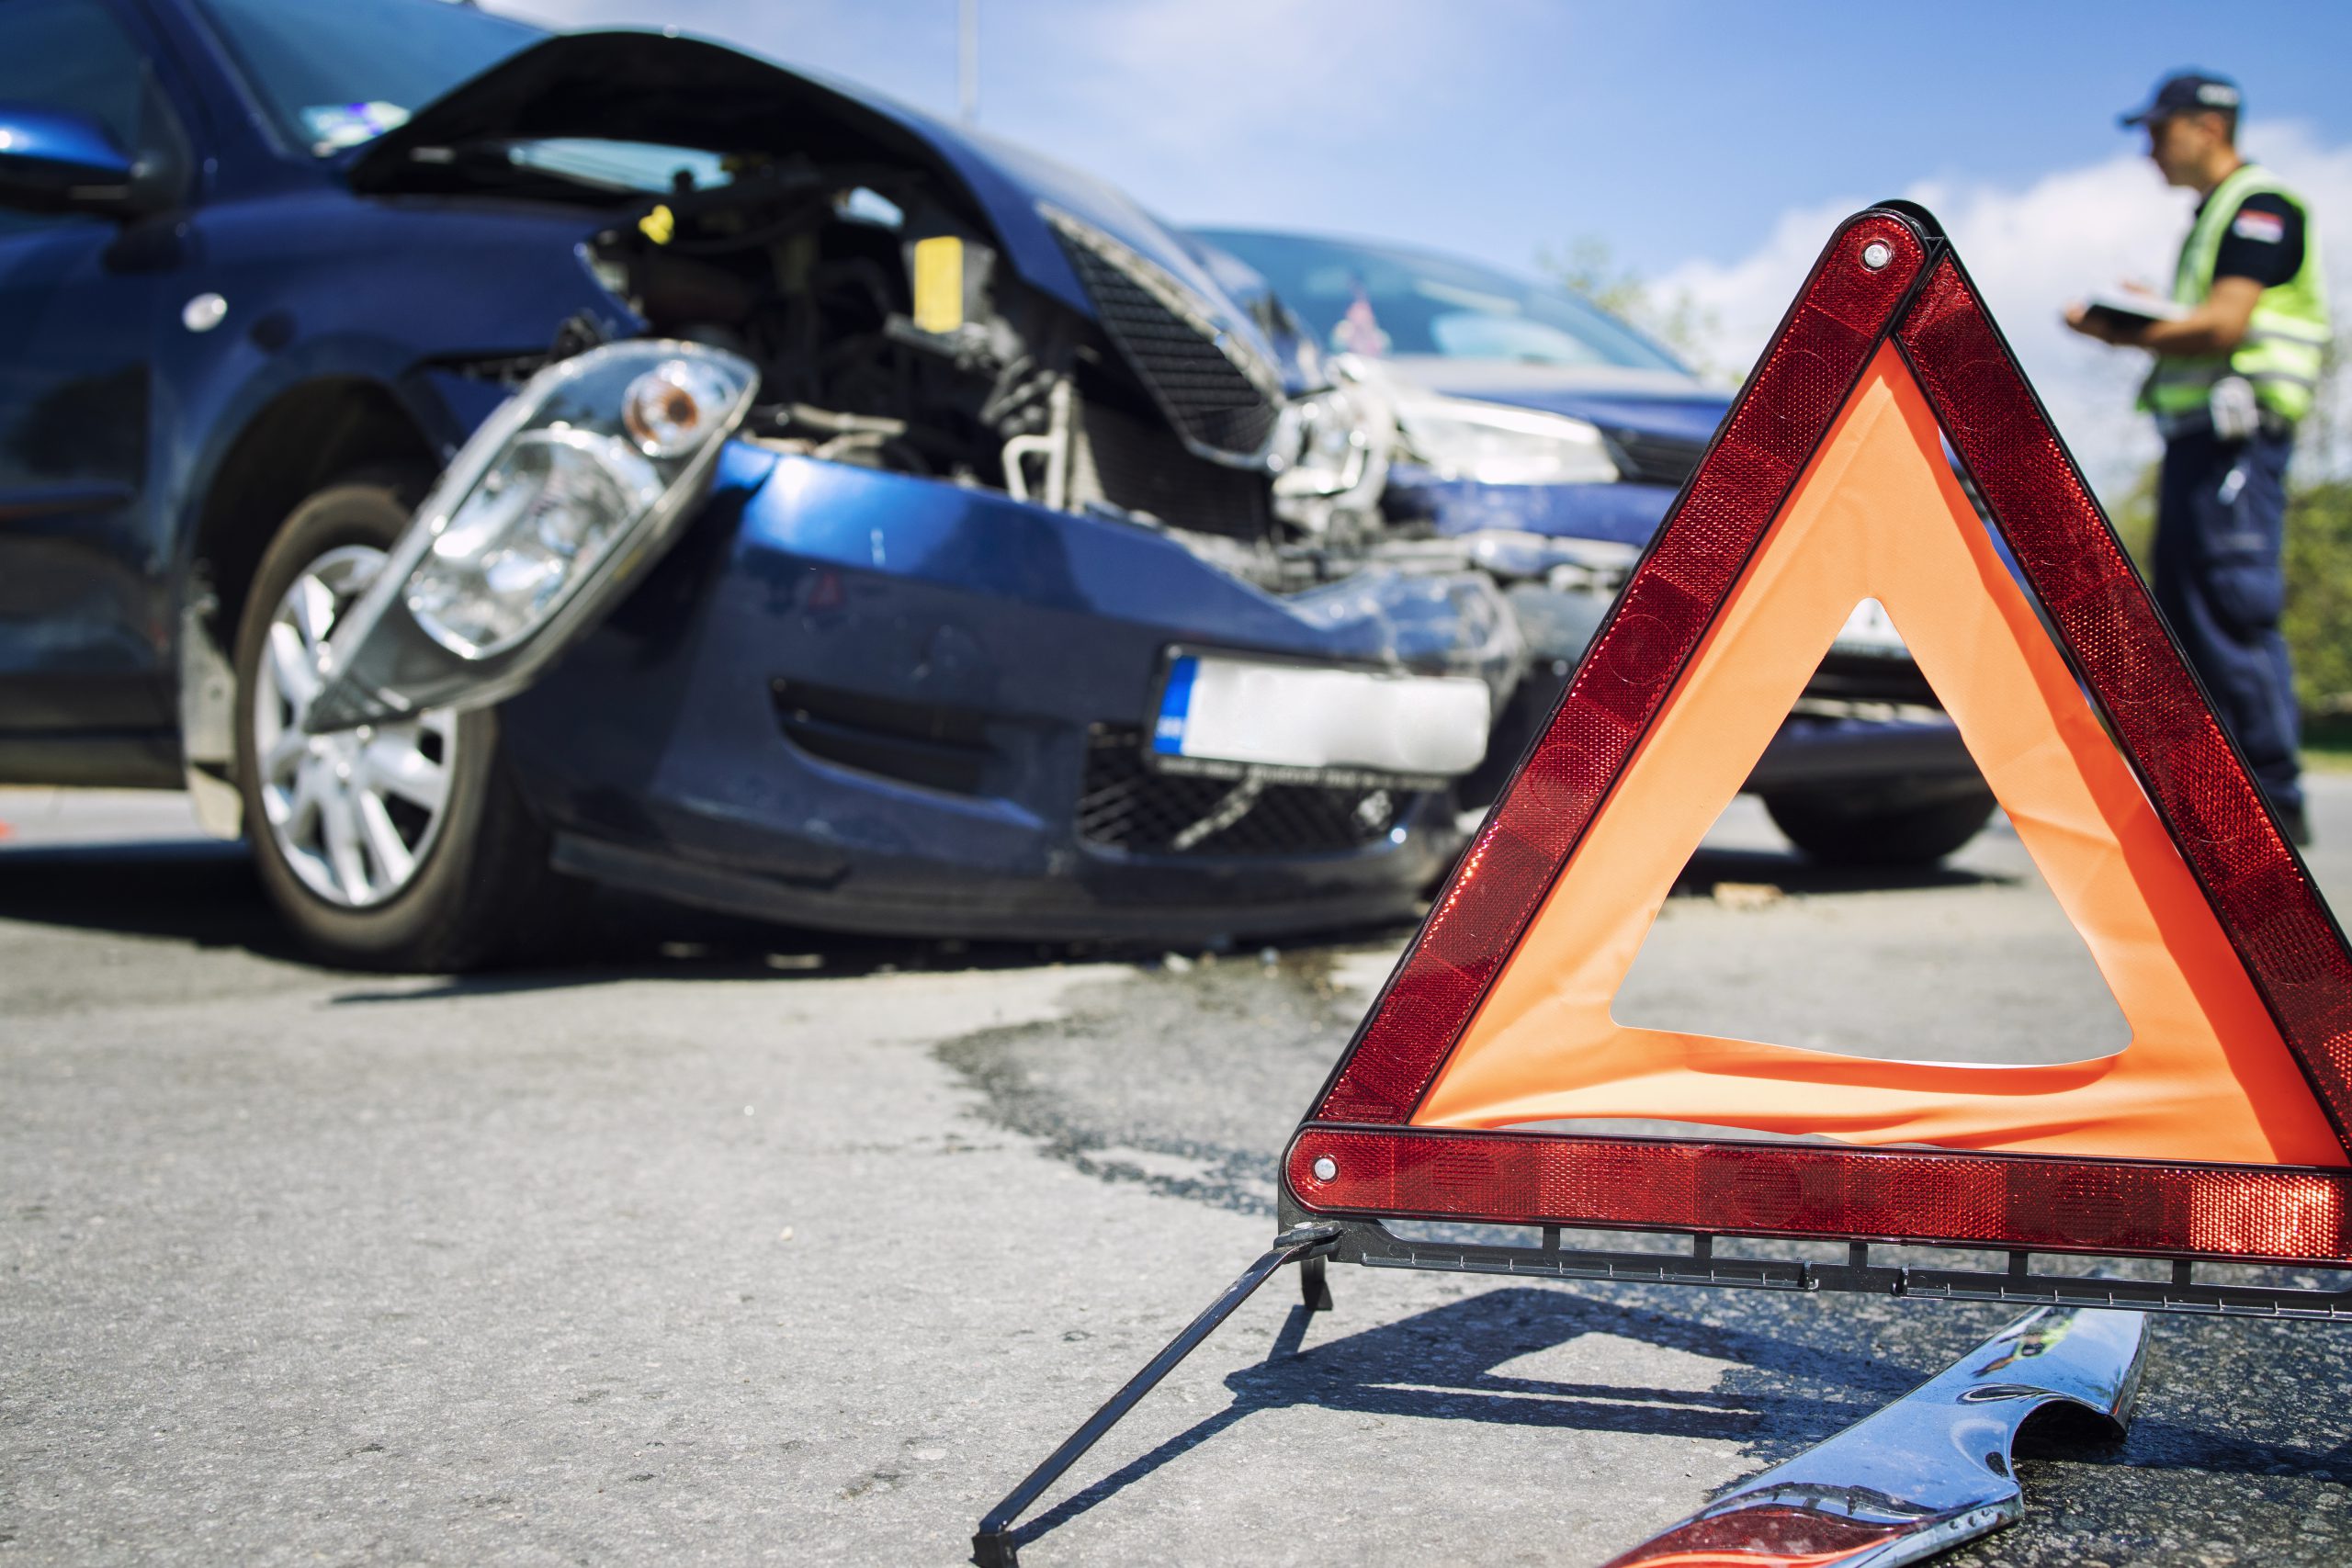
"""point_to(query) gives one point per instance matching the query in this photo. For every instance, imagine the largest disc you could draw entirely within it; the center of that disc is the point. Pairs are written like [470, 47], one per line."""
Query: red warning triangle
[2221, 1130]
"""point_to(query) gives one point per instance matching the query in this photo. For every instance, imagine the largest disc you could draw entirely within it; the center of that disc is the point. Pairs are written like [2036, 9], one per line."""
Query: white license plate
[1282, 717]
[1869, 630]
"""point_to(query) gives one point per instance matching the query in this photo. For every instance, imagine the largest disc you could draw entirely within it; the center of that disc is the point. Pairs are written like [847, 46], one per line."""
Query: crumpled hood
[1649, 402]
[684, 92]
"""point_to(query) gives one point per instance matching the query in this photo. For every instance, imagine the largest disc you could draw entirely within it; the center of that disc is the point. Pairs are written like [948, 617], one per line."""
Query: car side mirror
[57, 161]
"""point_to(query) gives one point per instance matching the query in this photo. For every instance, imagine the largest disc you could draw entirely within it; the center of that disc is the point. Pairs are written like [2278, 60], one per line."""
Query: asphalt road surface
[726, 1244]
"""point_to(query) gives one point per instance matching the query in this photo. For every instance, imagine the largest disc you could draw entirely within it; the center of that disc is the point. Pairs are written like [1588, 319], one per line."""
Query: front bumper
[1626, 511]
[867, 701]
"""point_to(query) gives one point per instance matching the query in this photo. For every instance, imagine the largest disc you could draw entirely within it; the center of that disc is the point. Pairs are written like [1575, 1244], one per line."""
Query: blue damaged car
[1547, 438]
[469, 458]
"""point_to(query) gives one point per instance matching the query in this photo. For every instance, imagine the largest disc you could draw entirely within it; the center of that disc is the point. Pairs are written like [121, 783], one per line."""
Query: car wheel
[390, 846]
[1842, 830]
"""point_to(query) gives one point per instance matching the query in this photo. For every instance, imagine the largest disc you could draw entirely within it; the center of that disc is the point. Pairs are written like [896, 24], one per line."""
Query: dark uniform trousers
[2221, 526]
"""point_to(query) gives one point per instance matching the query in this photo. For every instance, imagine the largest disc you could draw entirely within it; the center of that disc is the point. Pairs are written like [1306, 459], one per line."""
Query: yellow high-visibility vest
[2286, 341]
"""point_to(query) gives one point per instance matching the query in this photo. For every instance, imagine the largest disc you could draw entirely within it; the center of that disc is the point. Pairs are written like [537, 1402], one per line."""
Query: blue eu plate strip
[1175, 705]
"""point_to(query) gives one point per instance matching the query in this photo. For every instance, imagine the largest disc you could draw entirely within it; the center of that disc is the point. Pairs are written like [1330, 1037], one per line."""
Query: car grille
[1137, 465]
[1650, 459]
[1175, 348]
[1124, 806]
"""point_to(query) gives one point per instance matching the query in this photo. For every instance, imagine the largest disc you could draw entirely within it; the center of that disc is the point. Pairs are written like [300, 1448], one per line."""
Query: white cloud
[2031, 251]
[1204, 78]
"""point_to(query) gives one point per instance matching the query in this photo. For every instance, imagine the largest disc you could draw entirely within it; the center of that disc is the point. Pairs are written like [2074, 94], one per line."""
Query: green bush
[2319, 593]
[2136, 521]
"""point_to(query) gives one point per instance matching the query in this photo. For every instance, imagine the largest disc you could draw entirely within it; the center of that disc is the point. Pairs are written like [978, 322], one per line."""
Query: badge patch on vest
[2267, 227]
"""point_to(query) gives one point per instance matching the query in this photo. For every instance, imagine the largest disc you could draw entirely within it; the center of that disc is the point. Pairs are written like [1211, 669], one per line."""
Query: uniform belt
[2199, 421]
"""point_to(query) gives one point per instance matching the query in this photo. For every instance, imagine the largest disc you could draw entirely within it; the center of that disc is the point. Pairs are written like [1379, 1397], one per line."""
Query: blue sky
[1496, 127]
[1711, 144]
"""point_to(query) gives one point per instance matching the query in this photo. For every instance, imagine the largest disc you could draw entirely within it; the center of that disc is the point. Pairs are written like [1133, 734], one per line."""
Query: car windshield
[1376, 300]
[335, 76]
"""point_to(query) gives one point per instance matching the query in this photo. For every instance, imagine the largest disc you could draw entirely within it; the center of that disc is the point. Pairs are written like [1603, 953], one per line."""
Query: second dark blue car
[1553, 438]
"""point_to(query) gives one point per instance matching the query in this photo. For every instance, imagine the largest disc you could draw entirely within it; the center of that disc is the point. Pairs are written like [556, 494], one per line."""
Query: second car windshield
[334, 76]
[1378, 300]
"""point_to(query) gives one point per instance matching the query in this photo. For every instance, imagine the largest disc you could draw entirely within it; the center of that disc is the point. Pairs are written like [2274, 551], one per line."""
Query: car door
[85, 620]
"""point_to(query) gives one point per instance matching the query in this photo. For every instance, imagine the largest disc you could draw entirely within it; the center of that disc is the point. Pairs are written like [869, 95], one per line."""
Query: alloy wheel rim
[354, 813]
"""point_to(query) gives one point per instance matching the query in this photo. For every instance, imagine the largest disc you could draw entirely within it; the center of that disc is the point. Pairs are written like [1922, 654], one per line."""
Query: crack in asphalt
[1293, 1001]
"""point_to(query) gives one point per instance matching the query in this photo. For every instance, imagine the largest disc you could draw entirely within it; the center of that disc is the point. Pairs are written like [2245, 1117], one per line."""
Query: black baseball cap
[2185, 91]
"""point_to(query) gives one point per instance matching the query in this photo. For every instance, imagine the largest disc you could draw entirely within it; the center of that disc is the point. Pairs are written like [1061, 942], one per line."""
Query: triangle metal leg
[1315, 1282]
[993, 1545]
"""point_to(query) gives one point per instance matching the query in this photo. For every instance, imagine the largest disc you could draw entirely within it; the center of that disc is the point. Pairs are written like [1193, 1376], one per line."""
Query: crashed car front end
[864, 701]
[947, 556]
[1545, 440]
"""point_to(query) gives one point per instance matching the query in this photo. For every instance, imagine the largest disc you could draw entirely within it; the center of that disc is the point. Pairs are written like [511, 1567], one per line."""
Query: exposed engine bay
[889, 333]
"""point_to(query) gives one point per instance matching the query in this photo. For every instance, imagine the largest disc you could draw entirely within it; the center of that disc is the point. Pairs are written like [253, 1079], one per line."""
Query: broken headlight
[551, 506]
[1495, 445]
[1331, 451]
[577, 481]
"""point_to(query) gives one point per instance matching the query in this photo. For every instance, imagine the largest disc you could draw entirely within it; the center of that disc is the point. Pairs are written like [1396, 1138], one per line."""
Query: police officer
[2236, 367]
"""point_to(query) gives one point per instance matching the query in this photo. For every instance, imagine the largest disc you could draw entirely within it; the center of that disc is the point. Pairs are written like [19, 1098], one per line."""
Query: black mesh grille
[1139, 466]
[1202, 392]
[1654, 459]
[1125, 805]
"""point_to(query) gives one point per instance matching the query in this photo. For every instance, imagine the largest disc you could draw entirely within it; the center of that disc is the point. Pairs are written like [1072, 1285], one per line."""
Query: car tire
[399, 847]
[1844, 830]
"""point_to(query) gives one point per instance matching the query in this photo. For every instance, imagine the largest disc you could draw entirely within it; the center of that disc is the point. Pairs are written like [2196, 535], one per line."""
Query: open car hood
[684, 92]
[1653, 402]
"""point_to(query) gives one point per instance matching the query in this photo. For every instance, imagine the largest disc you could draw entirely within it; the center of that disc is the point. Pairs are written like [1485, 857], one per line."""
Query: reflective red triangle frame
[1922, 300]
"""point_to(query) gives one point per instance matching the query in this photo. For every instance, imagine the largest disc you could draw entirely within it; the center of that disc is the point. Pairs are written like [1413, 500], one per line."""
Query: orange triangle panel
[2219, 1131]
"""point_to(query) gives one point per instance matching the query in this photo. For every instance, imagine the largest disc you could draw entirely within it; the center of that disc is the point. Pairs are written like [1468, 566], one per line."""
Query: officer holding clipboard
[2239, 347]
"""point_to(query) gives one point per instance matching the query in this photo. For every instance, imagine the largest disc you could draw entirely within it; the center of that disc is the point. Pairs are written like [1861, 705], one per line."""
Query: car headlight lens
[1491, 444]
[564, 479]
[550, 507]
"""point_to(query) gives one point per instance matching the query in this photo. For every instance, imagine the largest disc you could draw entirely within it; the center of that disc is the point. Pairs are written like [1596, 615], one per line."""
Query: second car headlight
[1496, 445]
[1331, 452]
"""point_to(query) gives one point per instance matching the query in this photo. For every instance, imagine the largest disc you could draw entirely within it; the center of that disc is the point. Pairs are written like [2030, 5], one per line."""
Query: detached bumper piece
[1929, 1471]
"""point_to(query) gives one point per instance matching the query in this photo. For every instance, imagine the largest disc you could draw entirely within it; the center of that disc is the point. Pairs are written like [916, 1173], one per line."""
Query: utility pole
[967, 60]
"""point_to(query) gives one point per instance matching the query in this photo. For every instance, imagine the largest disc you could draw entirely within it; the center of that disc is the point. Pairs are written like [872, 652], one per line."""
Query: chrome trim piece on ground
[1932, 1469]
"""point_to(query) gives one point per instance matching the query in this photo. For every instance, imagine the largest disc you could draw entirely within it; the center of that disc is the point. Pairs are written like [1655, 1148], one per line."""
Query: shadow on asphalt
[1444, 1364]
[1791, 873]
[206, 894]
[2170, 1445]
[1441, 1364]
[197, 891]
